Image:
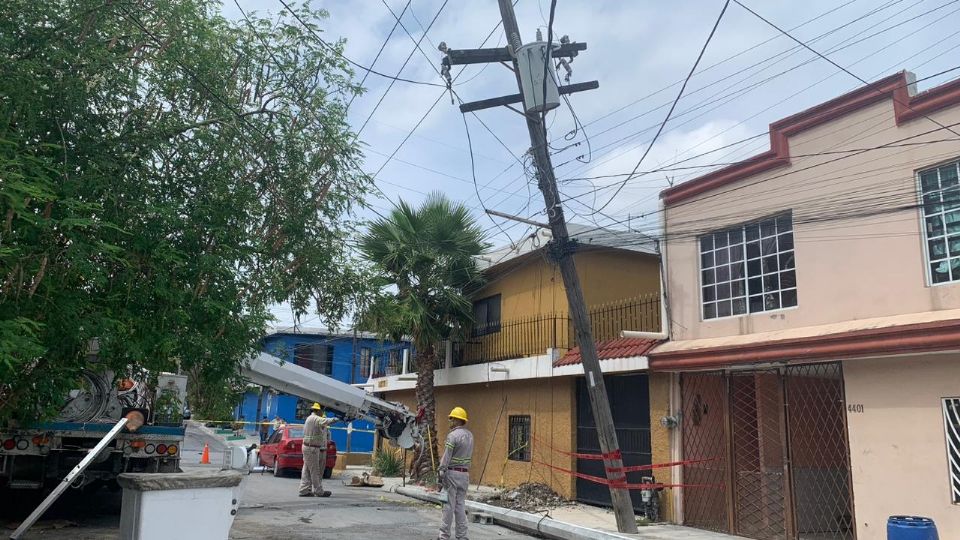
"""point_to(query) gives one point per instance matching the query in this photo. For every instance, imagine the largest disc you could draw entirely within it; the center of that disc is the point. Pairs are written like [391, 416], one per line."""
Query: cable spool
[89, 401]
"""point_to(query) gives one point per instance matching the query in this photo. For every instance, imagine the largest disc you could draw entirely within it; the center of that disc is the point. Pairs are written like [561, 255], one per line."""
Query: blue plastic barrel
[911, 528]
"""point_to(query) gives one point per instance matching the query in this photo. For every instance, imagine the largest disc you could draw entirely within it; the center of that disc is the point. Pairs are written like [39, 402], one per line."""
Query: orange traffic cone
[205, 458]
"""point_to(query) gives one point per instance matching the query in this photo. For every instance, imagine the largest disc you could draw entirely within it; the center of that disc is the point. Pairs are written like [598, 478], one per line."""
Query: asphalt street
[270, 509]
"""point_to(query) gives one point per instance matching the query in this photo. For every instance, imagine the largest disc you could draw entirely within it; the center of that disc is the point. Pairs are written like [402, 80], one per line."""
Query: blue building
[347, 357]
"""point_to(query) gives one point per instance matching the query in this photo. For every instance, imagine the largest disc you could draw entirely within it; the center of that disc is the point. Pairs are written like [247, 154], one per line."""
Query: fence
[532, 336]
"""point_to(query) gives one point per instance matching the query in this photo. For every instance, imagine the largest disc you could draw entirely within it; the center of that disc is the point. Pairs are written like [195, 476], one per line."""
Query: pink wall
[851, 269]
[898, 453]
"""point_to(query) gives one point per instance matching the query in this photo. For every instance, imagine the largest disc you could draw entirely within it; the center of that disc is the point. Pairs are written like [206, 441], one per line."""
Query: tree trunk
[426, 458]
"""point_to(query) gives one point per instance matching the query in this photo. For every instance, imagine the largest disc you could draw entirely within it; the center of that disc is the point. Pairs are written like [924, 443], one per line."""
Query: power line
[405, 62]
[672, 107]
[834, 64]
[743, 91]
[794, 171]
[734, 94]
[725, 60]
[337, 52]
[379, 52]
[883, 121]
[473, 171]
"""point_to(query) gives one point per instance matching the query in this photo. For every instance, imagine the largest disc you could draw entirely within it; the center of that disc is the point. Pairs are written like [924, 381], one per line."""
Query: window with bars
[519, 444]
[940, 191]
[748, 269]
[314, 356]
[365, 354]
[951, 425]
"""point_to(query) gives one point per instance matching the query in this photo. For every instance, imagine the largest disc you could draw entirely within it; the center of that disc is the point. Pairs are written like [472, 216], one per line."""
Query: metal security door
[705, 437]
[778, 439]
[819, 452]
[759, 479]
[629, 397]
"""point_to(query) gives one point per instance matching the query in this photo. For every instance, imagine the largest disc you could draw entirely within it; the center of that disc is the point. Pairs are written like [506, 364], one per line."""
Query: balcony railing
[532, 336]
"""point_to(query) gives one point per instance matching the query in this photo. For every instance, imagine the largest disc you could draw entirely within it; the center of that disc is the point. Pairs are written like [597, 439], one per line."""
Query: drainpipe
[664, 333]
[406, 361]
[674, 406]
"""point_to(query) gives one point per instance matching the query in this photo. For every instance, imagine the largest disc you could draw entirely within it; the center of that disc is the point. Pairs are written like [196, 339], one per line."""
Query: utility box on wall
[531, 59]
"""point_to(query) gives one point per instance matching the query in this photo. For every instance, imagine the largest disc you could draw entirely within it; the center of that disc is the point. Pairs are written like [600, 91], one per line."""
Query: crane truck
[394, 421]
[40, 455]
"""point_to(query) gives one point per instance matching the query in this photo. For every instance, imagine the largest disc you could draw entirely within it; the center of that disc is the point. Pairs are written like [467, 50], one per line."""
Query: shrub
[387, 463]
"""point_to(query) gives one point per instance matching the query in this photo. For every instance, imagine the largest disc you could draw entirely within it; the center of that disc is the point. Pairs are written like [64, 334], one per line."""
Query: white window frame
[951, 433]
[954, 210]
[749, 293]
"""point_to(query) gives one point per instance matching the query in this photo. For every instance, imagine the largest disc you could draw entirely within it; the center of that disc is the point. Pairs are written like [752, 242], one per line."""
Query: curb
[223, 440]
[526, 522]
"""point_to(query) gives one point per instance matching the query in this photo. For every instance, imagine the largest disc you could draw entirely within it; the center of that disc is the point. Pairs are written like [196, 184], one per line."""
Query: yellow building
[518, 371]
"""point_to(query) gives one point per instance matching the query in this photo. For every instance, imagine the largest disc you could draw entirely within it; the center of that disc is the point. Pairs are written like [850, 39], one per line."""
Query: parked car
[283, 451]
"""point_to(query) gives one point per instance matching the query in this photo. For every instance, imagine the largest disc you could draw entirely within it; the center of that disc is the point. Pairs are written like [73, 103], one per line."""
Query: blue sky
[749, 77]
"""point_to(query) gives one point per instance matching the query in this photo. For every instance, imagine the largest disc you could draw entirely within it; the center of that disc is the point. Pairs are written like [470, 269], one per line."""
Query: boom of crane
[394, 420]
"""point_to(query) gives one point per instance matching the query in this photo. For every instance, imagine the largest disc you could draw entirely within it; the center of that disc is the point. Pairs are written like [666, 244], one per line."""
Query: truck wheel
[327, 472]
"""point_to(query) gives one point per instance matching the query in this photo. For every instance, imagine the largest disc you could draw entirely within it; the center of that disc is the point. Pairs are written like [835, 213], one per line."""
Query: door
[775, 445]
[629, 398]
[268, 452]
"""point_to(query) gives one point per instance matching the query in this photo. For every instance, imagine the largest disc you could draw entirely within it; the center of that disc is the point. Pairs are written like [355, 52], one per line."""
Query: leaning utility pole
[562, 247]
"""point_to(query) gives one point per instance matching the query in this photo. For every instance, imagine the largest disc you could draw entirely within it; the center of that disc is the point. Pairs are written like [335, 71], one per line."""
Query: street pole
[563, 250]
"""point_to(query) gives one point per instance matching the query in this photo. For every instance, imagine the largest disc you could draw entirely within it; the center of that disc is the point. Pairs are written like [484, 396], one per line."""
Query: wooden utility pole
[562, 250]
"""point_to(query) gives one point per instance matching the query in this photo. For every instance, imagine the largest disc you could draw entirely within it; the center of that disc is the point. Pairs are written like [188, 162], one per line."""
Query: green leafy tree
[165, 175]
[426, 262]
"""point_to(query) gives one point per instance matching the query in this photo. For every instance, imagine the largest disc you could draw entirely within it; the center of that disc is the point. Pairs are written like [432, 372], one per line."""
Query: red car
[283, 451]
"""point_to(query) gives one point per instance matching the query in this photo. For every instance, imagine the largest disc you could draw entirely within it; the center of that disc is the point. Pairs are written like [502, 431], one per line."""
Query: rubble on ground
[530, 497]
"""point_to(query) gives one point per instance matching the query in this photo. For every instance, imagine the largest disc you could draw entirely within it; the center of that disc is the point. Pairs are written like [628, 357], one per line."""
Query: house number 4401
[855, 408]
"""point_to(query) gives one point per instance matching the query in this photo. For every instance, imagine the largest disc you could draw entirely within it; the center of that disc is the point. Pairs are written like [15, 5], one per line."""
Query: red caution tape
[616, 454]
[621, 483]
[635, 468]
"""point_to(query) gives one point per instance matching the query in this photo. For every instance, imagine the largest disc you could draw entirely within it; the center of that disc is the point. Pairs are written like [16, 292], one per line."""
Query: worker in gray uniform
[455, 474]
[315, 437]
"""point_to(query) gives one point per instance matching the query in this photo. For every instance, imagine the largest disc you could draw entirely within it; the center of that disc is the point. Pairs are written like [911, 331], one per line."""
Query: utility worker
[315, 438]
[455, 473]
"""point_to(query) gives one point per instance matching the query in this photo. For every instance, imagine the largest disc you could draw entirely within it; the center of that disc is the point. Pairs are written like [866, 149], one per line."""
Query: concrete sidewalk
[247, 440]
[574, 522]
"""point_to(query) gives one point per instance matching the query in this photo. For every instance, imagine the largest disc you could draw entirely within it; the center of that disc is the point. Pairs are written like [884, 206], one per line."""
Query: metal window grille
[951, 424]
[365, 354]
[315, 357]
[394, 362]
[519, 447]
[940, 190]
[748, 269]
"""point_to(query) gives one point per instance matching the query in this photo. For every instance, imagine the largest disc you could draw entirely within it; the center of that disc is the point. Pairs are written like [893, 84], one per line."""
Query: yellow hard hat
[316, 407]
[459, 413]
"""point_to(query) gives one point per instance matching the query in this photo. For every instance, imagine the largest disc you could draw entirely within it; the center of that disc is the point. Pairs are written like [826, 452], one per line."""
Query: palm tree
[425, 258]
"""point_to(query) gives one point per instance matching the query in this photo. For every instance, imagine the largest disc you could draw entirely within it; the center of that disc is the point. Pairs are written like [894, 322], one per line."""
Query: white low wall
[533, 367]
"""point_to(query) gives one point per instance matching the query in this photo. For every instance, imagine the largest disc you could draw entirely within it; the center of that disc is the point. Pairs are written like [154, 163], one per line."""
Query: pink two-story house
[814, 307]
